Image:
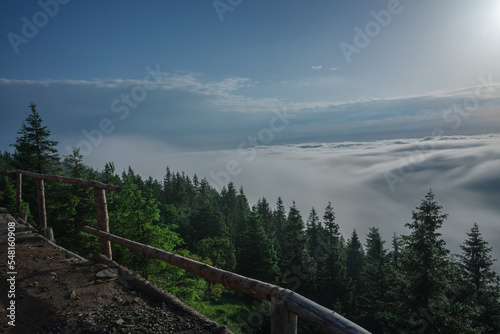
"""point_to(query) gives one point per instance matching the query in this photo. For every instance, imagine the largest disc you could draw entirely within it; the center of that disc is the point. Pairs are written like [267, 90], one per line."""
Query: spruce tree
[354, 257]
[294, 241]
[256, 255]
[35, 151]
[426, 265]
[279, 217]
[329, 221]
[330, 278]
[482, 282]
[375, 280]
[313, 231]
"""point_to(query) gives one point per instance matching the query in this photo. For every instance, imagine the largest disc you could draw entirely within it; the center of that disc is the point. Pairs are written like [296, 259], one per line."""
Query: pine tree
[426, 265]
[294, 241]
[375, 280]
[34, 150]
[330, 283]
[264, 210]
[354, 258]
[256, 255]
[329, 221]
[482, 282]
[313, 231]
[279, 217]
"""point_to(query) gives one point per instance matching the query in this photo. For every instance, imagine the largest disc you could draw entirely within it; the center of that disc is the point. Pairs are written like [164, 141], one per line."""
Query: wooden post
[282, 320]
[19, 186]
[42, 215]
[102, 219]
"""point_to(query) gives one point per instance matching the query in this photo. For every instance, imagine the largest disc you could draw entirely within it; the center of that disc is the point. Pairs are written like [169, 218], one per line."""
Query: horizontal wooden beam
[324, 319]
[249, 286]
[64, 179]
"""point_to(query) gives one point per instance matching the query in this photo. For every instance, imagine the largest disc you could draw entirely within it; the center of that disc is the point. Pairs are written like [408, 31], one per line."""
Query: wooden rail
[286, 306]
[99, 198]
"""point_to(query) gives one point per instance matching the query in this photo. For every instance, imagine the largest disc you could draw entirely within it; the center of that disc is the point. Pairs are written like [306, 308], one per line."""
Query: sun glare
[495, 13]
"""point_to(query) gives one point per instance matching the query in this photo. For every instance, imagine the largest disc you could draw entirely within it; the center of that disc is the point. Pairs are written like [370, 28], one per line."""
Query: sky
[367, 104]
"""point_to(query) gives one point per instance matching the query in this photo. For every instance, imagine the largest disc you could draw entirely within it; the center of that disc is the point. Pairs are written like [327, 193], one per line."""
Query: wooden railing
[286, 306]
[99, 199]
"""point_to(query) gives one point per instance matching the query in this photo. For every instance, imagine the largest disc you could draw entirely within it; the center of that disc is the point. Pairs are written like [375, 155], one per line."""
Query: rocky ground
[57, 293]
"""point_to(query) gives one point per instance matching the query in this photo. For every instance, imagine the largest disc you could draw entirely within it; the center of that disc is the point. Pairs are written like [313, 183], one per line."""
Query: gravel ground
[58, 293]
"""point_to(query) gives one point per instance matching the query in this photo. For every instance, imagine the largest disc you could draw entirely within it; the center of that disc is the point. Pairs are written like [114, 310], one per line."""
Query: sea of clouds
[376, 183]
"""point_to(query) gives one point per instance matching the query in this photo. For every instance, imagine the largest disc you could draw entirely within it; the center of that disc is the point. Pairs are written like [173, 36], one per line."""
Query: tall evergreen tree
[354, 267]
[426, 265]
[294, 241]
[375, 281]
[330, 282]
[329, 221]
[482, 282]
[313, 231]
[264, 210]
[35, 151]
[279, 217]
[256, 255]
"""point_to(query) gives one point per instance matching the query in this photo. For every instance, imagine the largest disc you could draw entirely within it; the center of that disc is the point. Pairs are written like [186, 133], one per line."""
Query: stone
[71, 295]
[108, 273]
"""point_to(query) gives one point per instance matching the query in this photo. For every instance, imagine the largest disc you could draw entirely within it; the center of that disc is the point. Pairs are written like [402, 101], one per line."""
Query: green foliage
[34, 151]
[256, 255]
[219, 250]
[482, 283]
[415, 286]
[293, 245]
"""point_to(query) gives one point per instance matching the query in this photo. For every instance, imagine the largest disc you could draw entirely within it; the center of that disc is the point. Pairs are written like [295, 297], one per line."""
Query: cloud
[334, 68]
[317, 67]
[462, 171]
[199, 113]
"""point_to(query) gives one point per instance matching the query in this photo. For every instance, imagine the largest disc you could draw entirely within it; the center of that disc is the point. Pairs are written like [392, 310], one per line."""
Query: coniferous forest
[410, 284]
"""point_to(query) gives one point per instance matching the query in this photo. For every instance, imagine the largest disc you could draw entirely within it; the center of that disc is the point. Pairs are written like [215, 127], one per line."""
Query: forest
[410, 284]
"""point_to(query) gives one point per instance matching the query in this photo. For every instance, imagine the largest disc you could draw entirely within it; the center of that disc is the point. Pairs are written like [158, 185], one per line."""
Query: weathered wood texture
[19, 191]
[282, 320]
[252, 287]
[324, 319]
[101, 207]
[42, 214]
[64, 179]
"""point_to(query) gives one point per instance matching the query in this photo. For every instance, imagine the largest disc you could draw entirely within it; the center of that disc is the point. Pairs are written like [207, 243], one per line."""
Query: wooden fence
[286, 306]
[99, 199]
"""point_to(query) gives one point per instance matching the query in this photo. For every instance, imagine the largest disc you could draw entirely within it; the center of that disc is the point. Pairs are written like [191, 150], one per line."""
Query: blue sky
[221, 79]
[199, 85]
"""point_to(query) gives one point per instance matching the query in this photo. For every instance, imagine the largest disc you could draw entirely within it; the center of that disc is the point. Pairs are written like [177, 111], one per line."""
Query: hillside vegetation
[412, 284]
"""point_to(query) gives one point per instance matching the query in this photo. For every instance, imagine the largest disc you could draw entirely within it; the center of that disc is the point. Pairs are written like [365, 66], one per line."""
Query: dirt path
[57, 293]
